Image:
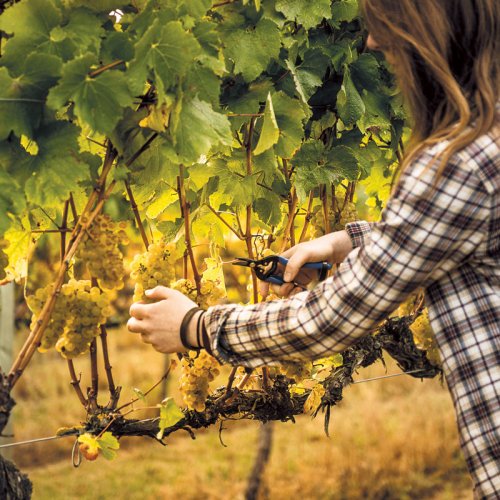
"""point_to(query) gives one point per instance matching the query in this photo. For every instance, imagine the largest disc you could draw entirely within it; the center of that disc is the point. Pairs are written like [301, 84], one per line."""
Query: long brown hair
[446, 57]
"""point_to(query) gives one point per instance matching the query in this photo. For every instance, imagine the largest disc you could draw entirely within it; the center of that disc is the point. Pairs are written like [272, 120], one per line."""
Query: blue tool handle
[275, 280]
[307, 265]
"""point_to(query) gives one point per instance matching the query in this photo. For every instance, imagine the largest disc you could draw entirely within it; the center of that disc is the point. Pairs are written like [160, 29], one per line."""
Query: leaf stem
[237, 234]
[106, 67]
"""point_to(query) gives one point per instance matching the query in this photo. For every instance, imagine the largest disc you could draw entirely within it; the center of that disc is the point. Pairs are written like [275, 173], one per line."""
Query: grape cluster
[296, 371]
[100, 250]
[197, 371]
[4, 259]
[78, 312]
[152, 268]
[210, 291]
[337, 219]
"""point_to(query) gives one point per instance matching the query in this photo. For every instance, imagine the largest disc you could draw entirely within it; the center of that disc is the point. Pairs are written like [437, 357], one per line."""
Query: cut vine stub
[14, 485]
[6, 401]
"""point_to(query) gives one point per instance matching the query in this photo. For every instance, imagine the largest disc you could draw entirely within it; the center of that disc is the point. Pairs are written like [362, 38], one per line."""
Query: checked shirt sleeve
[423, 233]
[359, 232]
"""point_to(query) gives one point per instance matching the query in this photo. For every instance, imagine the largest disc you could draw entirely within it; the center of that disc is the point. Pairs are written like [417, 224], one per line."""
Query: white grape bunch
[337, 219]
[100, 250]
[211, 291]
[197, 371]
[75, 321]
[152, 268]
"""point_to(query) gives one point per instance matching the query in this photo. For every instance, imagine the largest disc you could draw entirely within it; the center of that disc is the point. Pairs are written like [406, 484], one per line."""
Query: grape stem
[137, 216]
[75, 382]
[307, 217]
[181, 190]
[114, 392]
[248, 226]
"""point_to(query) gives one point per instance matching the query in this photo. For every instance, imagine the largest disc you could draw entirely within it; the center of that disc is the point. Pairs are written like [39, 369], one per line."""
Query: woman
[440, 231]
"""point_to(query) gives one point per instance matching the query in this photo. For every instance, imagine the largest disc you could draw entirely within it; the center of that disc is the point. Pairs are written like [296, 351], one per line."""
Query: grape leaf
[308, 76]
[31, 23]
[350, 106]
[308, 14]
[196, 127]
[345, 10]
[268, 209]
[168, 51]
[270, 133]
[170, 414]
[314, 399]
[22, 98]
[58, 167]
[99, 101]
[252, 49]
[289, 117]
[108, 444]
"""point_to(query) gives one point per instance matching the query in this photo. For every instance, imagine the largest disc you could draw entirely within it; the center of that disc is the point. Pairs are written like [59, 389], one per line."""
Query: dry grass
[392, 439]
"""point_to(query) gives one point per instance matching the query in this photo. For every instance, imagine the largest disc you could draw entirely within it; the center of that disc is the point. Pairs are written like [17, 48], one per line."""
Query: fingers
[139, 310]
[158, 293]
[135, 325]
[283, 290]
[296, 261]
[263, 289]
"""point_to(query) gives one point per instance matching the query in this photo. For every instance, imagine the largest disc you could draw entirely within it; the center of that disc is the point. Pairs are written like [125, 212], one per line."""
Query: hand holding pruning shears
[295, 268]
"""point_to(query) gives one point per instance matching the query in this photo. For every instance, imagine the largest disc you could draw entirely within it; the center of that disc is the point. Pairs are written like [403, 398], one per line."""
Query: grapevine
[218, 117]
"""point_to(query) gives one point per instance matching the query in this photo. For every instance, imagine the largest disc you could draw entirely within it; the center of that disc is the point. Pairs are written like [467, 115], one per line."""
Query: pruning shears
[266, 269]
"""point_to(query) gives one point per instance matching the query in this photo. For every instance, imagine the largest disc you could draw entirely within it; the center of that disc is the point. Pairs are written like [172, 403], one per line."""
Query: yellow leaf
[314, 399]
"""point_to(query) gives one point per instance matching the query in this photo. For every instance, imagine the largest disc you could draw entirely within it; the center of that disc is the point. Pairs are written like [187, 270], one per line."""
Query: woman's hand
[332, 248]
[159, 322]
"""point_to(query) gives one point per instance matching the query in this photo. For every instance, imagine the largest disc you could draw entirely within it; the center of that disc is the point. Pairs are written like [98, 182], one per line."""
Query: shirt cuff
[215, 319]
[359, 232]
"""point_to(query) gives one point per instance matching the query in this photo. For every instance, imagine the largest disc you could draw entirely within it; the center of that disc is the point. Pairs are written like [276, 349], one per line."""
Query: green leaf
[31, 23]
[308, 14]
[193, 8]
[170, 414]
[204, 82]
[365, 72]
[269, 135]
[268, 209]
[253, 49]
[345, 10]
[83, 31]
[58, 168]
[308, 76]
[117, 46]
[289, 117]
[108, 444]
[99, 101]
[350, 106]
[168, 51]
[140, 394]
[22, 98]
[196, 128]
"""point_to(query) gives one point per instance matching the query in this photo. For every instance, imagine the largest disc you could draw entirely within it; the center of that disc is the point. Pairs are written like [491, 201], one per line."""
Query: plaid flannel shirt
[444, 240]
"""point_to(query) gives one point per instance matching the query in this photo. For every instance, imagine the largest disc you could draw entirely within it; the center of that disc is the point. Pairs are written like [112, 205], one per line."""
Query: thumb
[158, 293]
[297, 260]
